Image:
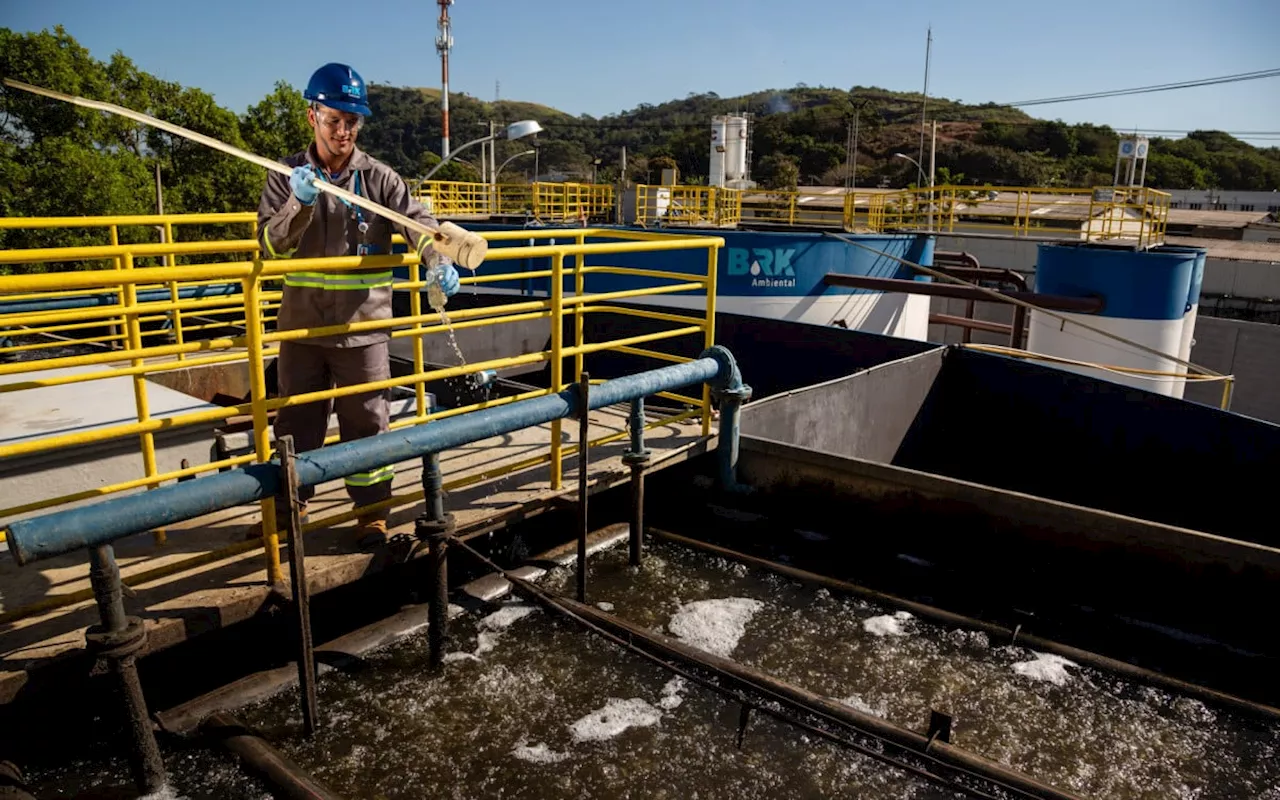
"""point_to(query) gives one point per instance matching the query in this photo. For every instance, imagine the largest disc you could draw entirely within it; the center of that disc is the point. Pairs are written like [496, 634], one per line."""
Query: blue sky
[602, 56]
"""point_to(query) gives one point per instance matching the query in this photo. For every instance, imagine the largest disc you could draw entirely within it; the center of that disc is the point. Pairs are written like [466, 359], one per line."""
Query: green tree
[277, 126]
[779, 171]
[453, 171]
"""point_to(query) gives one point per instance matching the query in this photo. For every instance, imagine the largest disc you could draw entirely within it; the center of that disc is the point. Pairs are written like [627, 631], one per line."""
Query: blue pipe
[91, 300]
[74, 529]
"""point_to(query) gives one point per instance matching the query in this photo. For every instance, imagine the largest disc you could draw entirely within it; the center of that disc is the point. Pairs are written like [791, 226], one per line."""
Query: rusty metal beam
[968, 322]
[1079, 305]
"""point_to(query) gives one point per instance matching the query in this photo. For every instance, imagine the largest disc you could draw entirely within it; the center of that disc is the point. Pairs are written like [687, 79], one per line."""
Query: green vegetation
[59, 160]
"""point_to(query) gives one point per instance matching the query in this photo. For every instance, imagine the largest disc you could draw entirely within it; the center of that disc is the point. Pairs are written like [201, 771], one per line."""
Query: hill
[800, 133]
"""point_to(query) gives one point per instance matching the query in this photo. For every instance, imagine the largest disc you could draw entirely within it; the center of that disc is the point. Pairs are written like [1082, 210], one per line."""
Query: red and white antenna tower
[444, 43]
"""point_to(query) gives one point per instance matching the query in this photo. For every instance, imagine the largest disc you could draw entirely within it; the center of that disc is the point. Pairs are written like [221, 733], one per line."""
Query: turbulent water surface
[529, 705]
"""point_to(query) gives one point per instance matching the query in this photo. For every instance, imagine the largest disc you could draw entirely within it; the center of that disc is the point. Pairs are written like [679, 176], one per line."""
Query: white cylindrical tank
[1145, 296]
[715, 176]
[735, 162]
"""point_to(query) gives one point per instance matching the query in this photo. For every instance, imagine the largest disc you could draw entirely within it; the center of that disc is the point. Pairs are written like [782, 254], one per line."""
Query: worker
[295, 219]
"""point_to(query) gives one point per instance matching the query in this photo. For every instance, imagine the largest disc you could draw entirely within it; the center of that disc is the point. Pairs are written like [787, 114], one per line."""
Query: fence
[147, 287]
[1135, 214]
[549, 202]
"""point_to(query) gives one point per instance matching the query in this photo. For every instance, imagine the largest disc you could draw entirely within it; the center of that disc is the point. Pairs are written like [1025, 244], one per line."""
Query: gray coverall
[287, 228]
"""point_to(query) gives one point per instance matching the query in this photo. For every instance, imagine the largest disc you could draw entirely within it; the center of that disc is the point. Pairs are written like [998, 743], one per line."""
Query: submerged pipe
[74, 529]
[995, 632]
[287, 780]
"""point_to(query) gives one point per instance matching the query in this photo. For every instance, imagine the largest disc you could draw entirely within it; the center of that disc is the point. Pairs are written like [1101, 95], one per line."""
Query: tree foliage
[57, 159]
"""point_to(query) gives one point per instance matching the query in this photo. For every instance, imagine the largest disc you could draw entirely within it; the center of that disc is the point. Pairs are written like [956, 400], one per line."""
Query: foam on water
[507, 615]
[1046, 667]
[557, 712]
[887, 624]
[857, 703]
[715, 626]
[538, 754]
[616, 716]
[671, 697]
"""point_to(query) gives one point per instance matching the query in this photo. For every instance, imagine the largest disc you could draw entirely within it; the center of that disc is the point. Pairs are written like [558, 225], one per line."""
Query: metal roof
[1230, 249]
[1215, 219]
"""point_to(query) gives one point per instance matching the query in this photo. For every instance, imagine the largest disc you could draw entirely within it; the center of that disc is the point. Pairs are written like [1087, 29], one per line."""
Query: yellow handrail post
[713, 252]
[557, 357]
[176, 314]
[115, 329]
[258, 401]
[579, 289]
[143, 407]
[1228, 385]
[419, 358]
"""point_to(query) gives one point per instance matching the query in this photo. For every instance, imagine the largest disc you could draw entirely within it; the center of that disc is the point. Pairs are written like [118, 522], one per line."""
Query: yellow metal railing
[694, 206]
[571, 262]
[1106, 213]
[549, 202]
[50, 330]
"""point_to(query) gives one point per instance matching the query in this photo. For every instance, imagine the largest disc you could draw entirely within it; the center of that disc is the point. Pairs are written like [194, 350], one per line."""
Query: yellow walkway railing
[1100, 214]
[549, 202]
[143, 288]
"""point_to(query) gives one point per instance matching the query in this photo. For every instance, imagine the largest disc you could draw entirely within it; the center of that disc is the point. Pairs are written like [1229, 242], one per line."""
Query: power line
[1162, 87]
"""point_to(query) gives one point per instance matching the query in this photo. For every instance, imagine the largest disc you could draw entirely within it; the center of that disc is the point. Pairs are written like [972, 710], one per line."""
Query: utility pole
[444, 43]
[924, 105]
[933, 148]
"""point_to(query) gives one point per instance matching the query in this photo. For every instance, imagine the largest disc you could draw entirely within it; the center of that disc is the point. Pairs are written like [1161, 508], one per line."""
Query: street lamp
[516, 130]
[508, 161]
[913, 161]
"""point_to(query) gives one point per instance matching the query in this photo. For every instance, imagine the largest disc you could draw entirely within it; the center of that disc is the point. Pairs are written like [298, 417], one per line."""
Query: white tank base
[1052, 337]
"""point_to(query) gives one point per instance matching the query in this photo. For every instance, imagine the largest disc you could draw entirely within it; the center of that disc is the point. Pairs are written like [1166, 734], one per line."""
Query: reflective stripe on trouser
[310, 368]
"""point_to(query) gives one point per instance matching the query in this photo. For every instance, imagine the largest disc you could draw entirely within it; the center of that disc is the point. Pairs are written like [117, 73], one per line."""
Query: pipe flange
[117, 644]
[427, 529]
[729, 377]
[636, 459]
[741, 393]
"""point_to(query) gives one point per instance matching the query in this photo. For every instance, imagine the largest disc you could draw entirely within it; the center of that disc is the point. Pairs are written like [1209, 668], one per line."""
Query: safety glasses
[334, 123]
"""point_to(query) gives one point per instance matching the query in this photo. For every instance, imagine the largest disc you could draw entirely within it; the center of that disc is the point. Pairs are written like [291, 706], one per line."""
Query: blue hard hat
[339, 86]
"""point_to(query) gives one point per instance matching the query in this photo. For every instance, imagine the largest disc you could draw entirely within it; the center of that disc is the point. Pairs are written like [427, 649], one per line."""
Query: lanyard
[361, 225]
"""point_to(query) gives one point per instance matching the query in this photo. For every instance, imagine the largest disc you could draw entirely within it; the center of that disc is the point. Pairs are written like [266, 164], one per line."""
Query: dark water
[531, 706]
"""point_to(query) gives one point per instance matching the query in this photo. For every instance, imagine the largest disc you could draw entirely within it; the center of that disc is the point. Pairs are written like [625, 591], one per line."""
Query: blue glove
[448, 276]
[300, 182]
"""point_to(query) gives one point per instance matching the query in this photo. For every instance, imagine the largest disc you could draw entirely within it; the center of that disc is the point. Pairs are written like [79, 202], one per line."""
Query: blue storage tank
[1147, 297]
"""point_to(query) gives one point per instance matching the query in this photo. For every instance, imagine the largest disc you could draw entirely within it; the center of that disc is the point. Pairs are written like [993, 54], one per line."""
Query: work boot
[371, 532]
